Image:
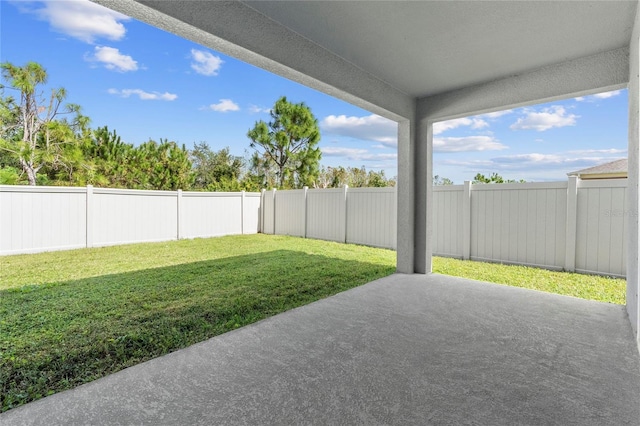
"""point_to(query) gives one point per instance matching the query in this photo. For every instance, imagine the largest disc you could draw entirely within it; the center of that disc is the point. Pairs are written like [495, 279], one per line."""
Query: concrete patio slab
[406, 349]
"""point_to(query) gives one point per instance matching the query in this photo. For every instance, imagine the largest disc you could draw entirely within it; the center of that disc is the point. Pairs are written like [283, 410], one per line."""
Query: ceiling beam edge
[579, 77]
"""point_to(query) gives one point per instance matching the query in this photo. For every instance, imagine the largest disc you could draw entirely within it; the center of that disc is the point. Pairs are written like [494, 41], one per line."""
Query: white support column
[571, 224]
[89, 217]
[633, 180]
[414, 195]
[466, 221]
[424, 195]
[405, 252]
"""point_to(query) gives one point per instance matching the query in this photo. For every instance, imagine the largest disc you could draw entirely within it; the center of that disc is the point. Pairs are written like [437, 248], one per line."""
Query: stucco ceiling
[382, 55]
[424, 48]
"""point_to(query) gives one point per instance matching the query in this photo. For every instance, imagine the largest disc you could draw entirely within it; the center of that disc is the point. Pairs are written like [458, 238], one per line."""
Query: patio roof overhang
[384, 55]
[421, 62]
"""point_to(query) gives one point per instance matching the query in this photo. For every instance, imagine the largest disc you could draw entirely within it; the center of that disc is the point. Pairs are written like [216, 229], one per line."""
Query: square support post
[414, 191]
[406, 178]
[633, 180]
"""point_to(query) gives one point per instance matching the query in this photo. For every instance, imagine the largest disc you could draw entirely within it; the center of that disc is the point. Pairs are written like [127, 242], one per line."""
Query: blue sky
[146, 83]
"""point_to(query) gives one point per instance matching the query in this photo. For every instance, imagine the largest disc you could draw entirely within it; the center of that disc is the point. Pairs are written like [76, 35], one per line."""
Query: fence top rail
[327, 190]
[144, 192]
[43, 189]
[285, 192]
[448, 188]
[518, 186]
[190, 194]
[603, 183]
[386, 189]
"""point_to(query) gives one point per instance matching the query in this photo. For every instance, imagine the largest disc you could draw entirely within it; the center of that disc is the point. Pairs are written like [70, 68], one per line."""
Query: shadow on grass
[57, 336]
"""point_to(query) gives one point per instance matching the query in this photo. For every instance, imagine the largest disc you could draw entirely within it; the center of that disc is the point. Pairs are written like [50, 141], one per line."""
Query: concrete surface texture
[406, 349]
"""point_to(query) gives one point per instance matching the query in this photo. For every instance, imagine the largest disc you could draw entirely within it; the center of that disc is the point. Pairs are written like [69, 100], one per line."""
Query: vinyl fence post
[89, 217]
[273, 193]
[179, 214]
[261, 218]
[242, 213]
[571, 224]
[346, 190]
[466, 220]
[304, 194]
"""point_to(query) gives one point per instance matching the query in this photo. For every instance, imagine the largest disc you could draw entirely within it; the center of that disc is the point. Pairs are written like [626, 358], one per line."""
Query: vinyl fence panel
[447, 220]
[211, 214]
[291, 212]
[602, 220]
[133, 216]
[34, 219]
[371, 217]
[326, 210]
[268, 213]
[251, 213]
[519, 223]
[37, 219]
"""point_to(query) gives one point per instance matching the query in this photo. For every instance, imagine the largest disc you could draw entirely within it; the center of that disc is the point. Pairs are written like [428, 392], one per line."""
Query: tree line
[44, 141]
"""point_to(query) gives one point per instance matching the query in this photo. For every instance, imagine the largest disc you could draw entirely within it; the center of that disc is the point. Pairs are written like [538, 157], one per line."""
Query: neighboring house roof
[612, 170]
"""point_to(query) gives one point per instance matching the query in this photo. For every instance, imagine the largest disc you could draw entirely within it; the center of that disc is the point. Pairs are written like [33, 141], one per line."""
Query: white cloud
[562, 162]
[82, 19]
[467, 144]
[356, 154]
[593, 98]
[112, 59]
[547, 118]
[473, 122]
[145, 96]
[371, 127]
[225, 105]
[205, 63]
[255, 109]
[606, 95]
[532, 165]
[496, 114]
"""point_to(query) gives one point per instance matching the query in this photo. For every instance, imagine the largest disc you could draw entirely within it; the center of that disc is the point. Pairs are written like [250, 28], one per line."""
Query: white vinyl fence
[579, 225]
[359, 216]
[36, 219]
[575, 225]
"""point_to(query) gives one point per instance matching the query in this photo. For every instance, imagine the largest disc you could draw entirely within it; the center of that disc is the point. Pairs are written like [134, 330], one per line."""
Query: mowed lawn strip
[590, 287]
[70, 317]
[67, 318]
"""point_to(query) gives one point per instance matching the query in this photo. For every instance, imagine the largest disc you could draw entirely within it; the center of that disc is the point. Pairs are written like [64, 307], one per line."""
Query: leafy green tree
[494, 178]
[9, 176]
[30, 127]
[378, 179]
[161, 166]
[331, 177]
[216, 171]
[289, 142]
[439, 181]
[108, 160]
[354, 177]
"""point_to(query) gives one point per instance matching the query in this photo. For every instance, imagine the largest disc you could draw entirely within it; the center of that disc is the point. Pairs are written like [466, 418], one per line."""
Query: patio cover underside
[406, 349]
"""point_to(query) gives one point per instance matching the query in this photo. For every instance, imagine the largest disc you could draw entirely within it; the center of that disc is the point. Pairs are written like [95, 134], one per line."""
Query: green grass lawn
[70, 317]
